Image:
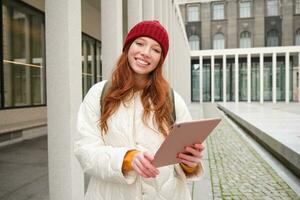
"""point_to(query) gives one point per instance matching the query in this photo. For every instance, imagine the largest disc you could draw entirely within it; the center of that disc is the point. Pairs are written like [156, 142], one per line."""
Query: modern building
[53, 51]
[243, 50]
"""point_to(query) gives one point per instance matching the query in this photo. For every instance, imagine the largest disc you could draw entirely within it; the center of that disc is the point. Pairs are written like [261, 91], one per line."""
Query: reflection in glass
[194, 42]
[230, 80]
[206, 80]
[272, 38]
[218, 80]
[280, 80]
[193, 13]
[195, 80]
[255, 80]
[243, 79]
[268, 79]
[23, 56]
[91, 63]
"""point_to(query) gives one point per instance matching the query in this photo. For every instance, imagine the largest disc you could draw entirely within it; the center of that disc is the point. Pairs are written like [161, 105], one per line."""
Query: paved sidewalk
[24, 171]
[234, 170]
[237, 170]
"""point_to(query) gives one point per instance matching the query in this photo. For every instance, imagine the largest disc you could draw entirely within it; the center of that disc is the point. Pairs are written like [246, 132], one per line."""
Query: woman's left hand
[192, 155]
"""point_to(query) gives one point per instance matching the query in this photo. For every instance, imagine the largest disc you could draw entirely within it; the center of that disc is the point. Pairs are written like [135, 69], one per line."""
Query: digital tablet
[182, 135]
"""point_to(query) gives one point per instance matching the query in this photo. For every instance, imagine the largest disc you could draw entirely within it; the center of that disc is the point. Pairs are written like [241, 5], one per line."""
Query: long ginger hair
[155, 94]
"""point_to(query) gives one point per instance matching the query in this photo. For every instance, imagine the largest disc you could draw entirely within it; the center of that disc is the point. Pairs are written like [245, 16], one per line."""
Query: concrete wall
[11, 116]
[90, 20]
[206, 32]
[39, 4]
[287, 23]
[231, 15]
[182, 63]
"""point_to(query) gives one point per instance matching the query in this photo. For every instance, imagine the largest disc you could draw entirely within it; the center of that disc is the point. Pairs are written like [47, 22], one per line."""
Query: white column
[249, 78]
[274, 64]
[212, 78]
[261, 77]
[158, 11]
[236, 78]
[224, 78]
[111, 34]
[287, 77]
[63, 52]
[148, 9]
[299, 77]
[135, 12]
[201, 78]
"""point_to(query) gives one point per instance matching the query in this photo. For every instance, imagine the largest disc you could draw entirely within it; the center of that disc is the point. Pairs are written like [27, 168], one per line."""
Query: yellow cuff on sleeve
[126, 167]
[188, 169]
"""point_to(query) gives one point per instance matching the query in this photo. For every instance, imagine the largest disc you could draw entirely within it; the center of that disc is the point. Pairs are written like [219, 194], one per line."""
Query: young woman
[120, 134]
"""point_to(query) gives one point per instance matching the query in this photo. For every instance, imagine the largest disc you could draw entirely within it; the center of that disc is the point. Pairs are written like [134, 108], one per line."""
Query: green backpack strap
[173, 105]
[106, 86]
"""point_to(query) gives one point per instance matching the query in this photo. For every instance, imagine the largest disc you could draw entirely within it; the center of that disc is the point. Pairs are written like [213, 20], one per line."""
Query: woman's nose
[146, 51]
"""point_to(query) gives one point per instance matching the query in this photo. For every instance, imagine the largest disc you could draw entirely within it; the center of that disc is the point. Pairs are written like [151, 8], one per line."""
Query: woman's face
[143, 55]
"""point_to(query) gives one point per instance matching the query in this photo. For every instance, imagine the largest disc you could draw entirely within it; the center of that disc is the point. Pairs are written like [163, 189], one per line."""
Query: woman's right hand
[141, 163]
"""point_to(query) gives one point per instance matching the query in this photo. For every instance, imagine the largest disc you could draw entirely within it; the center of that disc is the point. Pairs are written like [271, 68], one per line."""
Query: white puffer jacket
[102, 157]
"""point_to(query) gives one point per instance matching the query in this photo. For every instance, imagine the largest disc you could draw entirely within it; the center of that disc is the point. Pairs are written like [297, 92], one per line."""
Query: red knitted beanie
[152, 29]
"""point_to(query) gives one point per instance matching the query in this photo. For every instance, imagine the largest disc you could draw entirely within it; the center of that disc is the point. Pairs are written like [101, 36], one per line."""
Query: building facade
[215, 27]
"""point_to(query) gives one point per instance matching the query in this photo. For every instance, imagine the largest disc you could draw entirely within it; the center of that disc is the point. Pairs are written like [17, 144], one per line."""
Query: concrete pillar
[299, 77]
[274, 64]
[148, 9]
[288, 23]
[206, 22]
[201, 78]
[112, 34]
[236, 77]
[212, 78]
[135, 12]
[158, 11]
[261, 76]
[259, 24]
[224, 78]
[249, 78]
[232, 17]
[287, 77]
[63, 52]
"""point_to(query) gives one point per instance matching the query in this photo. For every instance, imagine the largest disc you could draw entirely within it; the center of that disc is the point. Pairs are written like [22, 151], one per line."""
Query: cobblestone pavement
[237, 171]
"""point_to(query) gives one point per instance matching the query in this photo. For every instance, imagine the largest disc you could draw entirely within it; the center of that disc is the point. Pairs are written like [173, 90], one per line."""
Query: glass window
[195, 80]
[245, 40]
[206, 80]
[98, 62]
[280, 79]
[267, 79]
[245, 9]
[194, 42]
[23, 55]
[297, 6]
[193, 13]
[242, 79]
[218, 80]
[91, 63]
[219, 42]
[218, 11]
[255, 79]
[297, 38]
[272, 7]
[272, 38]
[230, 80]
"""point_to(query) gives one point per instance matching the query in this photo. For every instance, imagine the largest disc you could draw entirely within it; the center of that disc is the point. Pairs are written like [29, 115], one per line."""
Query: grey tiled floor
[24, 168]
[24, 171]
